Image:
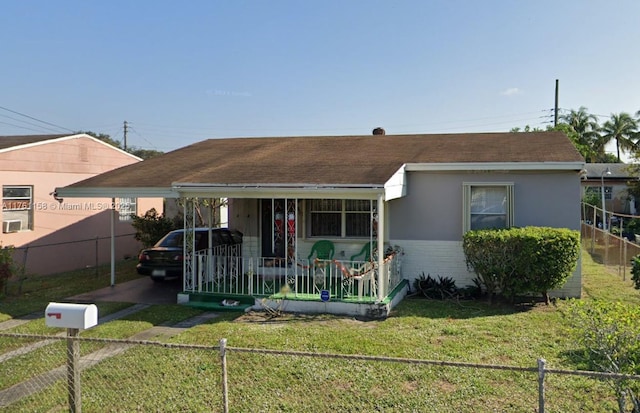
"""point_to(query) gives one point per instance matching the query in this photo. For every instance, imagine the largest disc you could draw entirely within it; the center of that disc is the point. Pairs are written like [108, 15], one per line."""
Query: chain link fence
[36, 375]
[612, 250]
[52, 257]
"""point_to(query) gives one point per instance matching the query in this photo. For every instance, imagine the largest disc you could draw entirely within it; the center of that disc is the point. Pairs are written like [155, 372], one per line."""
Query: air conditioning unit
[11, 226]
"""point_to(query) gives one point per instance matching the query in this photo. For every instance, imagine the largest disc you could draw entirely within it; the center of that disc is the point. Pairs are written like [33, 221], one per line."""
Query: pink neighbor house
[51, 234]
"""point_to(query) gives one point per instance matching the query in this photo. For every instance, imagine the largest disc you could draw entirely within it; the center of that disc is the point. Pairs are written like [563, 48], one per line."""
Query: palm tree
[586, 127]
[623, 128]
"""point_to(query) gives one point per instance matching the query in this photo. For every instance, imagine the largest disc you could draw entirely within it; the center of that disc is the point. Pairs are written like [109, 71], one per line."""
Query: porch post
[188, 242]
[209, 269]
[113, 241]
[381, 227]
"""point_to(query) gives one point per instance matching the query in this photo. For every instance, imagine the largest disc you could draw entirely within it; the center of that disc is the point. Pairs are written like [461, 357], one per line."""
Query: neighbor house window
[126, 207]
[487, 206]
[350, 218]
[17, 208]
[595, 190]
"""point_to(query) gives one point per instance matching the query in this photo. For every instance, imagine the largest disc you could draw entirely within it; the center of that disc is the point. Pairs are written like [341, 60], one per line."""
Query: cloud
[218, 92]
[511, 91]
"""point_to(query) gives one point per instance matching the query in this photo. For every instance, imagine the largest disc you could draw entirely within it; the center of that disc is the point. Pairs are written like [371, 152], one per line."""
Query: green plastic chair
[365, 252]
[323, 250]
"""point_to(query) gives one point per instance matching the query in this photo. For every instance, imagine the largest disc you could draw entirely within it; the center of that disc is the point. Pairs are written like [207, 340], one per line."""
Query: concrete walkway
[140, 291]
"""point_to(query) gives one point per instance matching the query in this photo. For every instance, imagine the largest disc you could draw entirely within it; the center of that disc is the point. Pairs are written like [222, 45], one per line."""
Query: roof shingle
[368, 159]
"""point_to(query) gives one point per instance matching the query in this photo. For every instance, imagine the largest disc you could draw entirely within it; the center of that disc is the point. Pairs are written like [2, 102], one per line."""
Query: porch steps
[220, 302]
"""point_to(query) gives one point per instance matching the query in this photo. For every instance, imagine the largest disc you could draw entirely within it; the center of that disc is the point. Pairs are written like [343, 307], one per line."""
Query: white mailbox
[80, 316]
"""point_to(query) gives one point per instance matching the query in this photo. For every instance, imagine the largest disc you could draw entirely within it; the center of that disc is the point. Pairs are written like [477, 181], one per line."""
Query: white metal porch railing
[223, 271]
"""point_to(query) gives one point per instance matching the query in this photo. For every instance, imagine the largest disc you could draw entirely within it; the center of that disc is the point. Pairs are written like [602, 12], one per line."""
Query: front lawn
[465, 331]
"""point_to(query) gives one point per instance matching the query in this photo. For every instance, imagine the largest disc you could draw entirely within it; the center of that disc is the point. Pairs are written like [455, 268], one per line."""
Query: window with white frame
[17, 208]
[597, 190]
[126, 207]
[339, 218]
[487, 205]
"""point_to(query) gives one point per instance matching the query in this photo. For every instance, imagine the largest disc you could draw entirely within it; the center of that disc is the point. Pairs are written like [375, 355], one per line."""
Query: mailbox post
[73, 317]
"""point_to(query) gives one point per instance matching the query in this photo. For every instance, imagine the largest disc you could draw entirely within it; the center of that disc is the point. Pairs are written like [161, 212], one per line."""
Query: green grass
[468, 331]
[33, 293]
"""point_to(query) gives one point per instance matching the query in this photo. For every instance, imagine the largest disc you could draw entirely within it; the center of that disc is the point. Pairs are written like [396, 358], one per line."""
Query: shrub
[635, 271]
[443, 288]
[609, 336]
[151, 227]
[546, 257]
[6, 265]
[490, 255]
[518, 261]
[437, 289]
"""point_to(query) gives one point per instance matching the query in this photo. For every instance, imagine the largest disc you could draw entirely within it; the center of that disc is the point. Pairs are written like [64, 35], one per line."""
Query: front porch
[223, 279]
[316, 253]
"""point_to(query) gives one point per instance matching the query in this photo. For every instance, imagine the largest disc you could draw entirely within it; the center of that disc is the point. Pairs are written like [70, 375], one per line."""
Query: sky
[179, 72]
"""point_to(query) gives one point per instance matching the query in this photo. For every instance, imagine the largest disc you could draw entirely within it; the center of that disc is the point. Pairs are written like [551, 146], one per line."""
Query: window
[595, 190]
[487, 206]
[17, 208]
[339, 218]
[126, 207]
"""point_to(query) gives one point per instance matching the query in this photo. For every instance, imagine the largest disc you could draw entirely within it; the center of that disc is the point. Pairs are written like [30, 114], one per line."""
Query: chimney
[379, 131]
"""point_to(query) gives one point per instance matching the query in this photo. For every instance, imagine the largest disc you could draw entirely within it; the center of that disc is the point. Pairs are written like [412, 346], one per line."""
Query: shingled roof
[7, 142]
[324, 160]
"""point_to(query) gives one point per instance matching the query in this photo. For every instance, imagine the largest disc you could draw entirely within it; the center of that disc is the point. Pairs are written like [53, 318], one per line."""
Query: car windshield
[175, 240]
[171, 240]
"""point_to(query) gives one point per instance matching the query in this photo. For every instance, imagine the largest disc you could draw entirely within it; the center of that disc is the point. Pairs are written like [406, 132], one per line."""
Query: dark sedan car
[165, 259]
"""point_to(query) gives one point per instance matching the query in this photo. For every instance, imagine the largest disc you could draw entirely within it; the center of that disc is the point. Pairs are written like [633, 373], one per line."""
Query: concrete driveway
[141, 291]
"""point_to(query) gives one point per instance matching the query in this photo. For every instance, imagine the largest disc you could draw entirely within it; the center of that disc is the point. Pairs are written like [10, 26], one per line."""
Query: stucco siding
[551, 200]
[80, 155]
[432, 209]
[69, 233]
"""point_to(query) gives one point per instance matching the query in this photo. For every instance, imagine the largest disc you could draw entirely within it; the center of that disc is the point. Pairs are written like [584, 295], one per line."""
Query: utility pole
[125, 135]
[555, 115]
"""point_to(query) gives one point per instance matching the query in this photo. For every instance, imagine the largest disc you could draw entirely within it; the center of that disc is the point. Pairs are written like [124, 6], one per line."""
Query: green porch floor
[214, 301]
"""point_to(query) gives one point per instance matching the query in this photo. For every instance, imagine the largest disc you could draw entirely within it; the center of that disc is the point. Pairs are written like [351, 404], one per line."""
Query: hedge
[519, 261]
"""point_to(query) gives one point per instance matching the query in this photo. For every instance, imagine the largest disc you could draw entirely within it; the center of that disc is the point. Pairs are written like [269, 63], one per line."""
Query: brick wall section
[446, 259]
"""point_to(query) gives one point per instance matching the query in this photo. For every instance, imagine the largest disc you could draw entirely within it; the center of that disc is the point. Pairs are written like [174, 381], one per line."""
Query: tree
[527, 128]
[151, 227]
[144, 153]
[586, 128]
[139, 152]
[623, 129]
[104, 138]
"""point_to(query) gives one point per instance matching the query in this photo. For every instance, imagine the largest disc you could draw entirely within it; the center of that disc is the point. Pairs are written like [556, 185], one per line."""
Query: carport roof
[359, 161]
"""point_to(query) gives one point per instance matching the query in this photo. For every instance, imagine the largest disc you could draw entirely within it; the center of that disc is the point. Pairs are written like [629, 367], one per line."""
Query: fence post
[73, 370]
[97, 239]
[223, 361]
[606, 246]
[624, 260]
[541, 373]
[593, 231]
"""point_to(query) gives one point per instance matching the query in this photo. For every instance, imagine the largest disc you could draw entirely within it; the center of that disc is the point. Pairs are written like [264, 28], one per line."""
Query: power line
[132, 129]
[36, 119]
[21, 127]
[28, 123]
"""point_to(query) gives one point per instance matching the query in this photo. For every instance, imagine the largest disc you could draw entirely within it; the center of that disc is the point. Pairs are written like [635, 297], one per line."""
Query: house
[614, 178]
[415, 195]
[52, 234]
